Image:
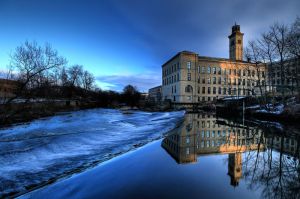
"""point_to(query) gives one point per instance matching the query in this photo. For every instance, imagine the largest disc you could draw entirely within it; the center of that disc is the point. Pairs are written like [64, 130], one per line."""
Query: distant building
[155, 94]
[8, 88]
[288, 81]
[190, 78]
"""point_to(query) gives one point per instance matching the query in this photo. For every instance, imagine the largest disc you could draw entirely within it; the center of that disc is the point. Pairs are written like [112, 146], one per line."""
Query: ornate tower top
[236, 44]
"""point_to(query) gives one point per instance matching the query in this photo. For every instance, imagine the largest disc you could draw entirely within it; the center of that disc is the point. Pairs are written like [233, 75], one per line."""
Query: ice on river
[46, 149]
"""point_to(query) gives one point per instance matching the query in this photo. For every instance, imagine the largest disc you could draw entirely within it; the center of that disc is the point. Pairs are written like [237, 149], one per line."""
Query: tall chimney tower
[236, 44]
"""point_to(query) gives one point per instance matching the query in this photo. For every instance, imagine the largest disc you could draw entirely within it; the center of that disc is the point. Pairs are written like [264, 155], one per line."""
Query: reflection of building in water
[287, 145]
[200, 134]
[235, 168]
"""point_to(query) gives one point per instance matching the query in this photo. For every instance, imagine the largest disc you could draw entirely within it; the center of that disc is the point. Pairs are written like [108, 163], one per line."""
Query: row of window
[223, 133]
[219, 90]
[288, 81]
[213, 70]
[214, 80]
[172, 79]
[232, 81]
[239, 142]
[169, 70]
[219, 71]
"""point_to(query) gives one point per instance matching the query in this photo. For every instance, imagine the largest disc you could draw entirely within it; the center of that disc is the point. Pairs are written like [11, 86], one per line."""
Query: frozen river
[47, 149]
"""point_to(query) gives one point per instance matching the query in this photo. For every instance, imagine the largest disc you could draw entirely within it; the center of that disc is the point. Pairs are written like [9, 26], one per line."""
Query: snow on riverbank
[45, 149]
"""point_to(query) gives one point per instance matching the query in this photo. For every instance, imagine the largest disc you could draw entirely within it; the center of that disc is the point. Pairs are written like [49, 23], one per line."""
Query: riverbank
[26, 112]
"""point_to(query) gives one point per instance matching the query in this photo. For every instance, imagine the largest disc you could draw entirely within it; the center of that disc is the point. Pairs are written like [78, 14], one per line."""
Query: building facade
[155, 94]
[190, 78]
[288, 81]
[8, 89]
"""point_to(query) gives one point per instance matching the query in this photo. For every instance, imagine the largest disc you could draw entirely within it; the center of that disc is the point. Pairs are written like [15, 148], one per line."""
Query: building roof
[204, 58]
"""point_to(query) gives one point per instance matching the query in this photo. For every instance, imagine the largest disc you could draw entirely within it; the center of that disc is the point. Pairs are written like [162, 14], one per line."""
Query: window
[188, 64]
[234, 71]
[220, 91]
[198, 90]
[214, 90]
[224, 91]
[208, 69]
[208, 90]
[208, 80]
[189, 76]
[239, 41]
[207, 134]
[213, 134]
[203, 80]
[202, 133]
[214, 70]
[214, 80]
[202, 144]
[219, 71]
[198, 69]
[187, 140]
[219, 80]
[203, 90]
[188, 89]
[203, 69]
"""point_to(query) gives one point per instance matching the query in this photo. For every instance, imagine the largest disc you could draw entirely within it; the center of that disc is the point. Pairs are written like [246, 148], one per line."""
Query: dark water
[206, 157]
[262, 157]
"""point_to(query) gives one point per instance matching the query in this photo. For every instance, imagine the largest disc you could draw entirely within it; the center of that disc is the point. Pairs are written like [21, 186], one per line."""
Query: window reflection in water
[265, 157]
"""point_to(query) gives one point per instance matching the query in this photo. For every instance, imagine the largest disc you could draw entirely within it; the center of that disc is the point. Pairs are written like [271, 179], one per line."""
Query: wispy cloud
[117, 82]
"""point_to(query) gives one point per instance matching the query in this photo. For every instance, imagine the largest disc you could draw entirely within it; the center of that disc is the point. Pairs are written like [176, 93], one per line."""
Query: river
[47, 149]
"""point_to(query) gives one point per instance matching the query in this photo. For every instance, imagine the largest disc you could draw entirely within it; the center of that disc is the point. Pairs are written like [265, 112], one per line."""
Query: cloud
[117, 82]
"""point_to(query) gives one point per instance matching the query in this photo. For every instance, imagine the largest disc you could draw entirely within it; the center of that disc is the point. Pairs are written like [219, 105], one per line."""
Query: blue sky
[126, 41]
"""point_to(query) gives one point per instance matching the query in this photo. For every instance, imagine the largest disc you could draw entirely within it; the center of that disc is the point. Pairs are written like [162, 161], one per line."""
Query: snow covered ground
[278, 109]
[48, 148]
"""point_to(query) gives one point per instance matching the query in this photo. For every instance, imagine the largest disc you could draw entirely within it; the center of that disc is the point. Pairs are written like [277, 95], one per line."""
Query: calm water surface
[206, 157]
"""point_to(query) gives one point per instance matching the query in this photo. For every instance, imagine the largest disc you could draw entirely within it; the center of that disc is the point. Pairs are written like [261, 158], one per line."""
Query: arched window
[188, 89]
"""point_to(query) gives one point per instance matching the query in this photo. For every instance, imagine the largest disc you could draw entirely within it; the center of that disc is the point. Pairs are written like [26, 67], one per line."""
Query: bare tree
[253, 53]
[31, 62]
[293, 42]
[75, 75]
[278, 38]
[268, 57]
[87, 80]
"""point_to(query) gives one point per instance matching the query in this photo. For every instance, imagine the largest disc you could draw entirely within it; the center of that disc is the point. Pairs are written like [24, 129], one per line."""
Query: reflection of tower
[235, 168]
